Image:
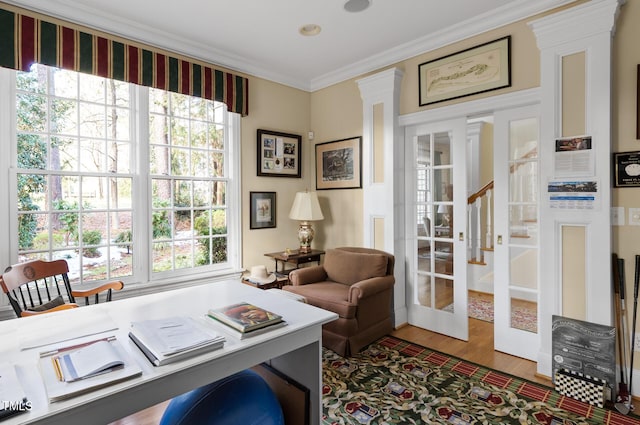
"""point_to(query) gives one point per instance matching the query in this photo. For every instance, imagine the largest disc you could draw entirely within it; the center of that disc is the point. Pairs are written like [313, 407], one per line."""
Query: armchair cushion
[55, 302]
[350, 267]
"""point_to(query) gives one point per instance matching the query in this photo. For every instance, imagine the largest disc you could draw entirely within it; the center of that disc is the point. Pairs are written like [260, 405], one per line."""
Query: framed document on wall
[626, 169]
[279, 154]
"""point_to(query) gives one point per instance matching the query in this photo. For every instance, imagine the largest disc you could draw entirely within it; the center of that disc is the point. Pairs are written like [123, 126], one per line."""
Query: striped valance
[25, 40]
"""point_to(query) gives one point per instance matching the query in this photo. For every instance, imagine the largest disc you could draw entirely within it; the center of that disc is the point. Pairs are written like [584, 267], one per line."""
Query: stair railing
[475, 205]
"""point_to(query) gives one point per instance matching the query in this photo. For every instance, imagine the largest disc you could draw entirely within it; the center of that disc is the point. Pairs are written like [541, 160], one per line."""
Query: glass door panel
[516, 255]
[437, 289]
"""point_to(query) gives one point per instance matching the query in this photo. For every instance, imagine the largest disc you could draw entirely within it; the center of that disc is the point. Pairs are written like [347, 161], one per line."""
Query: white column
[587, 28]
[384, 199]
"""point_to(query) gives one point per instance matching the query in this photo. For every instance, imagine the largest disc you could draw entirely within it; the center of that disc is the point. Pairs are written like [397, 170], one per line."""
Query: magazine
[245, 317]
[242, 335]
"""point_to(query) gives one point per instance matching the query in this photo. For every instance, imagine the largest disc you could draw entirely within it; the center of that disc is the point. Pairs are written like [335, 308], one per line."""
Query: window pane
[77, 170]
[80, 212]
[188, 161]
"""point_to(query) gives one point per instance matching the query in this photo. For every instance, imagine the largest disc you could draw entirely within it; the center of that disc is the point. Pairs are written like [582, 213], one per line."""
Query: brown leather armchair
[355, 283]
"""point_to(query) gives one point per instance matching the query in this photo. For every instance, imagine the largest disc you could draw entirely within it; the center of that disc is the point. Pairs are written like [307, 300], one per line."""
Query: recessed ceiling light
[310, 29]
[356, 5]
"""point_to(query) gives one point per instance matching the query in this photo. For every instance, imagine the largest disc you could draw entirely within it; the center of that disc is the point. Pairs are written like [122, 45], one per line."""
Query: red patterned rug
[397, 382]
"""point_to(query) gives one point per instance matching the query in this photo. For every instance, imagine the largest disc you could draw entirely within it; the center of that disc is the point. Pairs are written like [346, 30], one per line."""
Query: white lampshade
[306, 207]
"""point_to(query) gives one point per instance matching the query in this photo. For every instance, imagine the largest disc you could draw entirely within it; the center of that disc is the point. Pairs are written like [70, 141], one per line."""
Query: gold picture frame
[279, 154]
[476, 70]
[339, 164]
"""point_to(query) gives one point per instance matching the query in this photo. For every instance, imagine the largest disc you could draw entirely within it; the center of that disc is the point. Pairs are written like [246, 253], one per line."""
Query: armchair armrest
[307, 275]
[369, 287]
[108, 287]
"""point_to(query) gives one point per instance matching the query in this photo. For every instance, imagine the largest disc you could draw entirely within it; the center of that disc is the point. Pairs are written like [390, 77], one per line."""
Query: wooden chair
[38, 286]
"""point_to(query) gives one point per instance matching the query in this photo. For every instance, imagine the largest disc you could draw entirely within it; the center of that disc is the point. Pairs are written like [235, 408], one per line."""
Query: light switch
[634, 216]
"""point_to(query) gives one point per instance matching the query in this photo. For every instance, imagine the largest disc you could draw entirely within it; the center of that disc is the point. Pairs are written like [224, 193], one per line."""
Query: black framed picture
[262, 210]
[626, 169]
[279, 154]
[338, 164]
[475, 70]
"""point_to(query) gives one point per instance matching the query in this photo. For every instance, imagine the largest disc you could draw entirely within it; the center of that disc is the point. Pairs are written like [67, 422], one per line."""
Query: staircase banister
[487, 187]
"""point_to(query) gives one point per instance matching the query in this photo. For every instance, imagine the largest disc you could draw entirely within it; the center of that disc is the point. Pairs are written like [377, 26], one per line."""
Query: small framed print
[626, 169]
[263, 210]
[279, 154]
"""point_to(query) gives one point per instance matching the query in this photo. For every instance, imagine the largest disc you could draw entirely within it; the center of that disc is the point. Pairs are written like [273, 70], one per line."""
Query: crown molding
[585, 20]
[73, 12]
[513, 12]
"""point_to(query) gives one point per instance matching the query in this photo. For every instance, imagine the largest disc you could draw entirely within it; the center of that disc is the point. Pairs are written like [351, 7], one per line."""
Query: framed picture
[626, 169]
[263, 210]
[339, 164]
[279, 154]
[475, 70]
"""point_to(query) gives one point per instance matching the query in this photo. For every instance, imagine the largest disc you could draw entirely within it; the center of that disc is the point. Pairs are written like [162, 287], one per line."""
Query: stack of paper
[168, 340]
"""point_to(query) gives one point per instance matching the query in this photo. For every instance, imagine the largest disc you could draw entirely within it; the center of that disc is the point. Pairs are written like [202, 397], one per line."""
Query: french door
[517, 238]
[436, 216]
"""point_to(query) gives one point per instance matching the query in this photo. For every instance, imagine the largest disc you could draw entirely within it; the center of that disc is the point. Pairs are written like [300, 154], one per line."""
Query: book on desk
[245, 319]
[80, 368]
[168, 340]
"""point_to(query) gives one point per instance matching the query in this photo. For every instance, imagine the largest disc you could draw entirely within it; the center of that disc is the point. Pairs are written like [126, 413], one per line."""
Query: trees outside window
[84, 193]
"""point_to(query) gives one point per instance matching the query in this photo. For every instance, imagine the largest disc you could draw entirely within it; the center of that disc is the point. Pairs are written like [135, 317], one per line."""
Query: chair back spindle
[37, 286]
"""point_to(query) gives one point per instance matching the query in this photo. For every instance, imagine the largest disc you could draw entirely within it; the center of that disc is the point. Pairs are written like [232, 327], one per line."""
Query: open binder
[58, 388]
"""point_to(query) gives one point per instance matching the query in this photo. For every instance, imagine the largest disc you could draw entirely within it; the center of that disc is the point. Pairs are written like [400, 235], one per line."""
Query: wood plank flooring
[479, 349]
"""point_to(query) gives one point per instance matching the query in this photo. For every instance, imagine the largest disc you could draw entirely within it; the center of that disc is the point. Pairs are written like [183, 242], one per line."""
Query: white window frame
[142, 280]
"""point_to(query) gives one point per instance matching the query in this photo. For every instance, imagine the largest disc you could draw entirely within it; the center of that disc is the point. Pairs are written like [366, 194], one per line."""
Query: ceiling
[261, 38]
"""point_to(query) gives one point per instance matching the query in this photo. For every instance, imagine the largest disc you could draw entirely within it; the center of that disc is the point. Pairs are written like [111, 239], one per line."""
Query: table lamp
[306, 208]
[444, 212]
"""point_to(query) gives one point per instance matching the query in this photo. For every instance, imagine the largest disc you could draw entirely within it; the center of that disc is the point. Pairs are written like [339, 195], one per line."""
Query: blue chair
[243, 398]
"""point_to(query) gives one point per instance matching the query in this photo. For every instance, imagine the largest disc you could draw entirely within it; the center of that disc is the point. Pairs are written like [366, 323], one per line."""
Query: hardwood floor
[479, 349]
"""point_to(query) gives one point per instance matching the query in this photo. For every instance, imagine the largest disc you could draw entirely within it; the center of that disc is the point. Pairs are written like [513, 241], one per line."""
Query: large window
[122, 181]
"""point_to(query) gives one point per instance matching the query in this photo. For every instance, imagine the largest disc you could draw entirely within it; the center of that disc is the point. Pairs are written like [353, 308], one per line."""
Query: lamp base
[305, 236]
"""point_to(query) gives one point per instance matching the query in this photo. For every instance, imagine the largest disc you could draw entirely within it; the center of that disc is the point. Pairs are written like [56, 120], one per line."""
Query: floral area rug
[396, 382]
[521, 318]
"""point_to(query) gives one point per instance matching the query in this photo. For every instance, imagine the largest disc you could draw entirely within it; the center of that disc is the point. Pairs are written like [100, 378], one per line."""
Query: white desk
[295, 350]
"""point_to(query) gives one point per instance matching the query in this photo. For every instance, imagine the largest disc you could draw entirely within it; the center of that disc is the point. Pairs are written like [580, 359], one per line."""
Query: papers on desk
[86, 322]
[168, 340]
[77, 369]
[12, 395]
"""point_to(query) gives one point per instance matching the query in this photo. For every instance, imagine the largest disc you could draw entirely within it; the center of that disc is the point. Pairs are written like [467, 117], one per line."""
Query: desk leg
[304, 365]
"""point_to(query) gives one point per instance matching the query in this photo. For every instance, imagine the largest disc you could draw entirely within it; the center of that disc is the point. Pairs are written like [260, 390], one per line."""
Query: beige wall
[626, 57]
[335, 113]
[278, 108]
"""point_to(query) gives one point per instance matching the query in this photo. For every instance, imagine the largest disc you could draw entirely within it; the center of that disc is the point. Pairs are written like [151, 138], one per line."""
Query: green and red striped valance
[25, 40]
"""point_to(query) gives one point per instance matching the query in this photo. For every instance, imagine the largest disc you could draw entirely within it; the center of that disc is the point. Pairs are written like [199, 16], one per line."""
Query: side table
[277, 284]
[296, 258]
